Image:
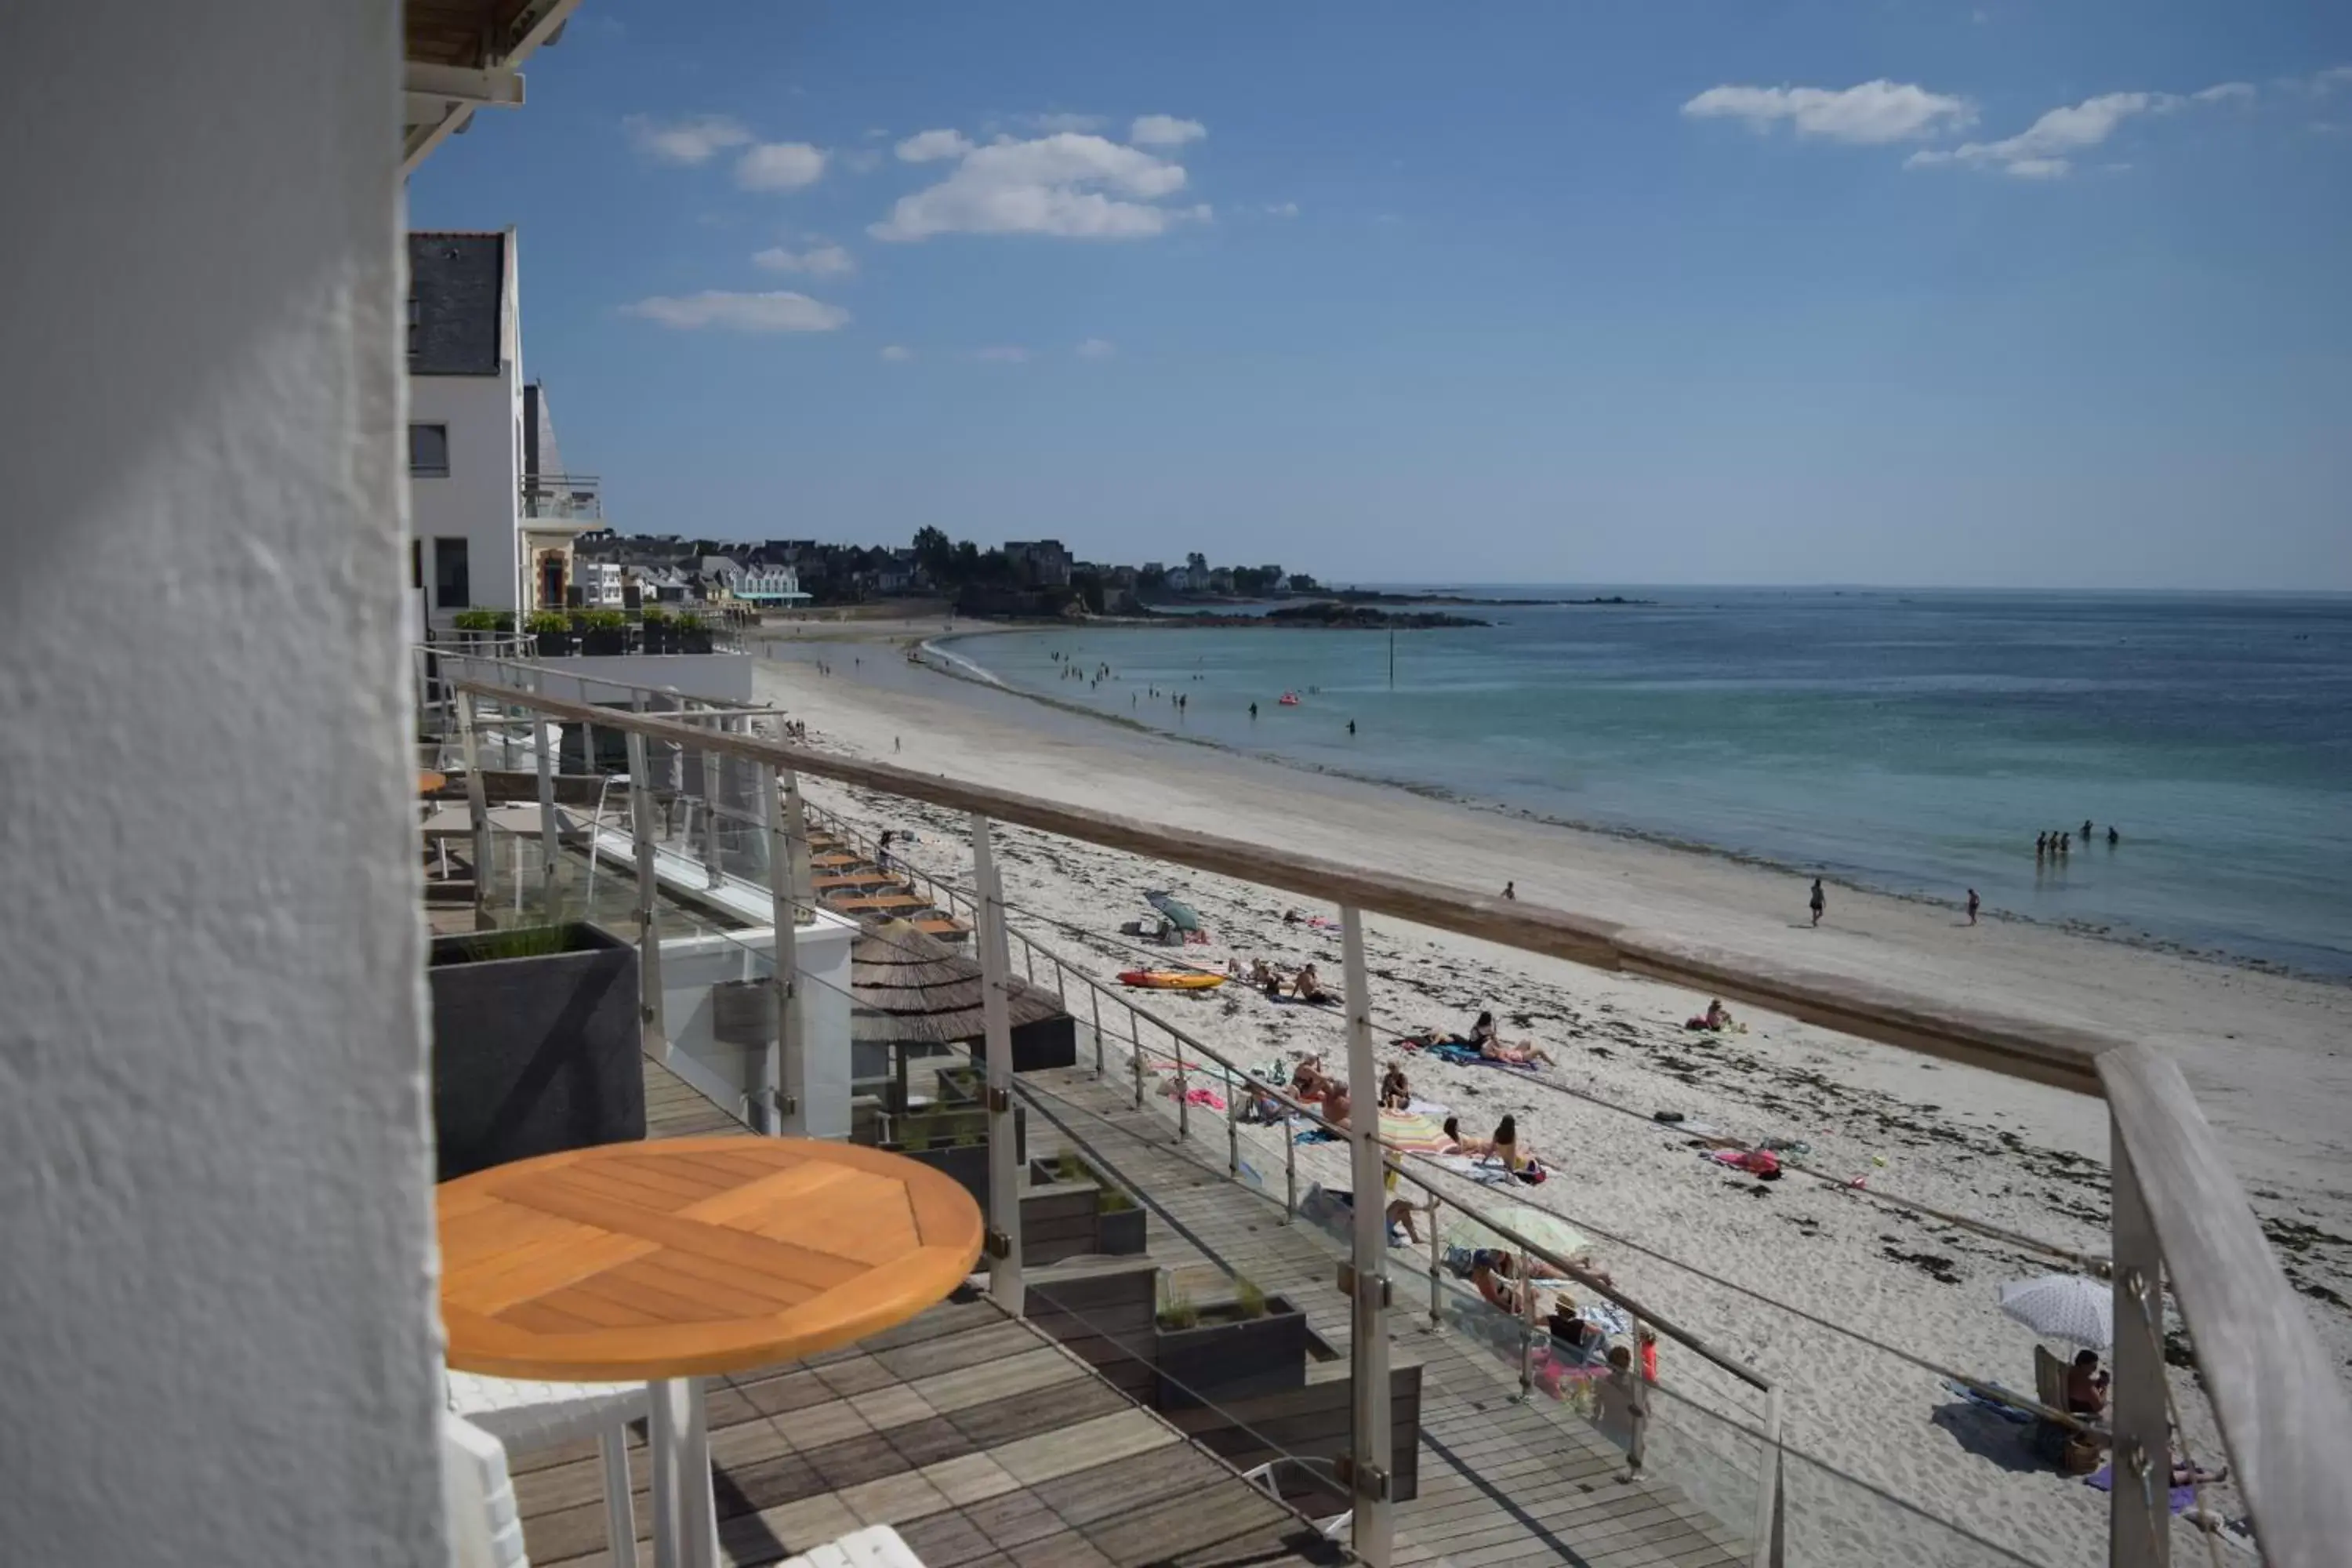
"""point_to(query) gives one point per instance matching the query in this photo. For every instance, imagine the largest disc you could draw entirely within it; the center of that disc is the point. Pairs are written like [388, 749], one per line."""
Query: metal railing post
[656, 1039]
[1368, 1326]
[1135, 1051]
[711, 763]
[1289, 1173]
[1233, 1128]
[784, 1078]
[477, 809]
[547, 845]
[1004, 1245]
[1096, 997]
[1436, 1261]
[1763, 1551]
[2139, 1527]
[1184, 1090]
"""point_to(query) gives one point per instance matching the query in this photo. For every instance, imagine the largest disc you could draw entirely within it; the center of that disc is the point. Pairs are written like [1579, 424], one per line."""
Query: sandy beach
[1769, 1274]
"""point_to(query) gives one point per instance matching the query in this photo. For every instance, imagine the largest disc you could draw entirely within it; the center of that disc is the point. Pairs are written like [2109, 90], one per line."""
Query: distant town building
[1043, 563]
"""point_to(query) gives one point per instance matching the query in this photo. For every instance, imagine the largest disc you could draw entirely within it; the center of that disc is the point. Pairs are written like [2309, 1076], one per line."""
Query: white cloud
[1065, 185]
[897, 353]
[1164, 130]
[778, 312]
[2223, 92]
[1875, 111]
[1098, 348]
[2042, 150]
[2333, 76]
[929, 146]
[1006, 353]
[818, 260]
[689, 141]
[779, 166]
[1282, 209]
[1050, 123]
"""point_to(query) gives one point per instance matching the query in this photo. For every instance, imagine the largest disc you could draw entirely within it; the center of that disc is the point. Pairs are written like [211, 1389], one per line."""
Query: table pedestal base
[686, 1517]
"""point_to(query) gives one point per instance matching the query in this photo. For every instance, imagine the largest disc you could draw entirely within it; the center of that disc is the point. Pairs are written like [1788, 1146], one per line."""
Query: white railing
[2179, 1212]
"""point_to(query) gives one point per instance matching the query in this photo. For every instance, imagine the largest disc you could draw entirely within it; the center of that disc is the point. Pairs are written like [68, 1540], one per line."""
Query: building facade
[465, 424]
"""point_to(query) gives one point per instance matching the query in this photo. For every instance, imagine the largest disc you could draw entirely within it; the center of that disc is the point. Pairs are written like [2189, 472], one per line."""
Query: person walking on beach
[1511, 891]
[1972, 906]
[1820, 902]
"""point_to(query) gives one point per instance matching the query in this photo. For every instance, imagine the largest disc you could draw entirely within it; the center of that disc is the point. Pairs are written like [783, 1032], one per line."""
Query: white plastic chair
[875, 1547]
[485, 1528]
[525, 1415]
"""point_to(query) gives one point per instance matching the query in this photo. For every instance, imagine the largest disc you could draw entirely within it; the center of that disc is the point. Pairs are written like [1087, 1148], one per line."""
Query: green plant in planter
[607, 621]
[544, 621]
[693, 623]
[1176, 1308]
[914, 1137]
[967, 1140]
[1069, 1169]
[1113, 1201]
[526, 942]
[658, 618]
[1249, 1302]
[482, 621]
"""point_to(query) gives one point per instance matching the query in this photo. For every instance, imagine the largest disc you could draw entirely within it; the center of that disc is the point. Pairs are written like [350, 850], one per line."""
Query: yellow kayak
[1171, 979]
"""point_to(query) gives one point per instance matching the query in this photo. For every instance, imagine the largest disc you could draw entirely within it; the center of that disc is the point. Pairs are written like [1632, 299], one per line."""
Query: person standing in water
[1819, 903]
[1252, 710]
[1972, 906]
[1510, 890]
[2113, 836]
[1351, 726]
[2087, 831]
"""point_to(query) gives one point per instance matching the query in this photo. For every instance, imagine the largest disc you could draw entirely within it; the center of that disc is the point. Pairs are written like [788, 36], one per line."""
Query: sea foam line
[963, 664]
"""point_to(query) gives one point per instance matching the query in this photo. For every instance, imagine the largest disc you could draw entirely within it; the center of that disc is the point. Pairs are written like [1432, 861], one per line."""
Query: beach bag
[1531, 1174]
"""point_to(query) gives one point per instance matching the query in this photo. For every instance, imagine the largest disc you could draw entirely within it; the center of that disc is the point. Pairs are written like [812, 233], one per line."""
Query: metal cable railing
[2284, 1416]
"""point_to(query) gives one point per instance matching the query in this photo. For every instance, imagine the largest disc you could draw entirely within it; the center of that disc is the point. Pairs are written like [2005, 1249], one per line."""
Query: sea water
[1910, 741]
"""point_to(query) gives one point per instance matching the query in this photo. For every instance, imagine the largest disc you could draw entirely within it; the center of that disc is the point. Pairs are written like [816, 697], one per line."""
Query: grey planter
[1118, 1233]
[1232, 1358]
[533, 1055]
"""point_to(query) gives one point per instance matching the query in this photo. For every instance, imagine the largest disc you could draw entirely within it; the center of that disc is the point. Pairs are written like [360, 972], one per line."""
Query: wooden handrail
[2284, 1413]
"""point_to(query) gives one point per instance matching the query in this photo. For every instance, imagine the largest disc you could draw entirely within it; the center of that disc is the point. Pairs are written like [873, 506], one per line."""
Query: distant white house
[1179, 581]
[765, 584]
[600, 584]
[465, 424]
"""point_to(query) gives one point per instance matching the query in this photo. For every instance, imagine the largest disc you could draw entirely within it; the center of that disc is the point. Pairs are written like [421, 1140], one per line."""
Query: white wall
[732, 1074]
[216, 1307]
[479, 499]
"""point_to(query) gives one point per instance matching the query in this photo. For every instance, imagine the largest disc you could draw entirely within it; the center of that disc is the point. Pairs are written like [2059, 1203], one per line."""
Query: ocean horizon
[1910, 740]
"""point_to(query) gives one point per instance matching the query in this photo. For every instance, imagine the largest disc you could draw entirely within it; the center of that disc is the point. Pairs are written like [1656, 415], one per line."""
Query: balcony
[1502, 1448]
[575, 499]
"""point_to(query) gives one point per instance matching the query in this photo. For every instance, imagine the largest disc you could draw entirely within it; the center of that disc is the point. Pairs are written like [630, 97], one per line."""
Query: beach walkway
[1501, 1482]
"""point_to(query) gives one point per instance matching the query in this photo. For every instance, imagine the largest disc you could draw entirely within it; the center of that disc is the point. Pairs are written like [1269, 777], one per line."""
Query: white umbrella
[2069, 1307]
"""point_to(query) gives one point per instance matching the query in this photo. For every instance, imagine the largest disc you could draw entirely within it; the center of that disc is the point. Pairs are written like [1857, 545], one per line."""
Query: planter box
[967, 1163]
[1118, 1232]
[535, 1054]
[552, 645]
[1234, 1359]
[690, 640]
[659, 638]
[603, 644]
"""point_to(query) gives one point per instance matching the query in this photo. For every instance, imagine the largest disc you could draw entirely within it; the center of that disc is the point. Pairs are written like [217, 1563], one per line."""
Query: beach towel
[1209, 1098]
[2010, 1412]
[2182, 1498]
[1317, 1135]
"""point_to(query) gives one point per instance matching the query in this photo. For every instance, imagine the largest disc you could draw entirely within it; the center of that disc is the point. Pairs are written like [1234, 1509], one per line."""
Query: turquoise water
[1912, 742]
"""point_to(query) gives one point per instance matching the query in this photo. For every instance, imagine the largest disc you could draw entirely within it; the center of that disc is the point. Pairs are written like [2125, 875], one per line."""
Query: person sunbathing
[1526, 1053]
[1394, 1095]
[1520, 1162]
[1333, 1096]
[1475, 1148]
[1259, 974]
[1499, 1295]
[1307, 986]
[1305, 1076]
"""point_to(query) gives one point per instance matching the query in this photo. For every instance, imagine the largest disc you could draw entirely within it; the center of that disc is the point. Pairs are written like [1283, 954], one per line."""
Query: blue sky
[1549, 292]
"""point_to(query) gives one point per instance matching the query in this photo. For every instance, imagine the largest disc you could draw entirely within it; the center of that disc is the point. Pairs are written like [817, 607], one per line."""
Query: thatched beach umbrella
[909, 989]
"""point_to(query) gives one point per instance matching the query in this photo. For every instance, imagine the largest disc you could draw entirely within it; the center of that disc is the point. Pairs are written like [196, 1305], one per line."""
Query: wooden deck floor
[982, 1441]
[1500, 1482]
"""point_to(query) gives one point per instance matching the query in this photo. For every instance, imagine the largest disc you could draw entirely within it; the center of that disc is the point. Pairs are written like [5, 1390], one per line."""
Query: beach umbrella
[906, 987]
[1413, 1133]
[2069, 1307]
[1542, 1226]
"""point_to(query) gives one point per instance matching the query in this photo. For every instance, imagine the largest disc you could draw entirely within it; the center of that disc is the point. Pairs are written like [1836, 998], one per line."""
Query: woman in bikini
[1526, 1053]
[1394, 1095]
[1475, 1148]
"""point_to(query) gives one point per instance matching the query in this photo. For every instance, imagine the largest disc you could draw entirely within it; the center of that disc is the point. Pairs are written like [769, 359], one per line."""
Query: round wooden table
[430, 783]
[669, 1261]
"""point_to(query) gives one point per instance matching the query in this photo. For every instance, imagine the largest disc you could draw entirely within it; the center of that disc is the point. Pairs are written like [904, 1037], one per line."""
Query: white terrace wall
[216, 1325]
